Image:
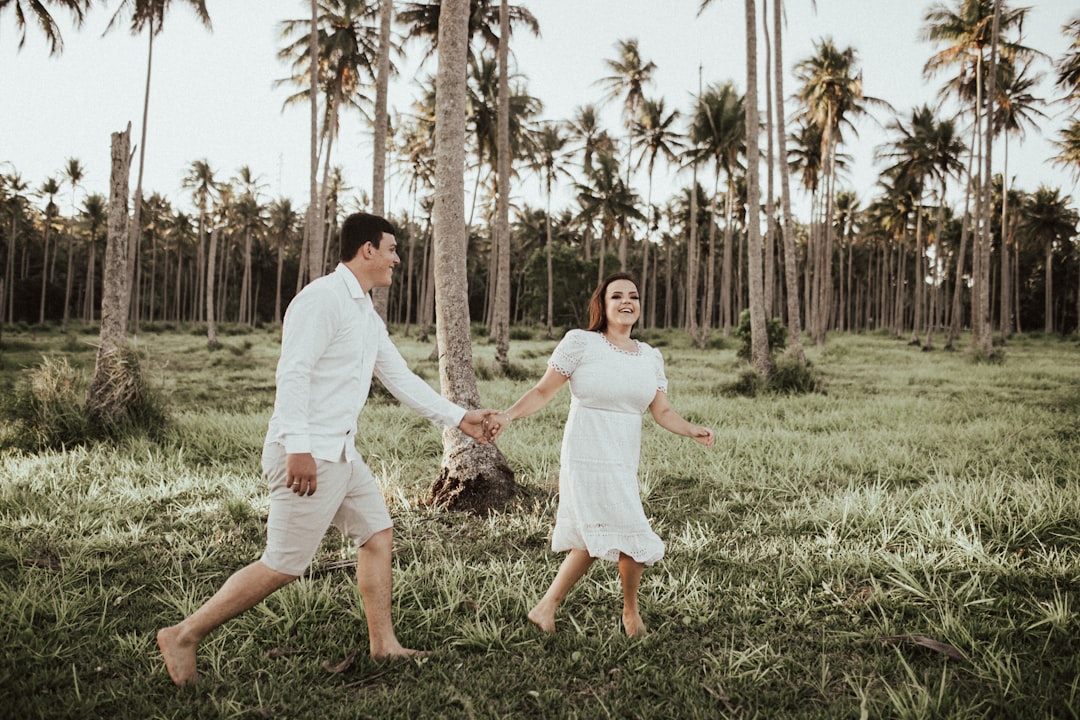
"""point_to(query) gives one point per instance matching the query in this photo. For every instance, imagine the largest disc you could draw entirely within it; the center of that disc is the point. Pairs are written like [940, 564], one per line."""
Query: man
[332, 342]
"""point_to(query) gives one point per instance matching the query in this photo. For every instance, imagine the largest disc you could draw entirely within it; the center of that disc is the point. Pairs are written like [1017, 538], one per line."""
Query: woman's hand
[703, 435]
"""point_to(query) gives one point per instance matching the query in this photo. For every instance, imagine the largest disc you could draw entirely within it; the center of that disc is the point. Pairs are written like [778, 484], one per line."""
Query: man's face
[384, 260]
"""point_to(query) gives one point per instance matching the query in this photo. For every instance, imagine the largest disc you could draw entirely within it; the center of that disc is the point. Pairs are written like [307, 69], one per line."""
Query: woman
[613, 378]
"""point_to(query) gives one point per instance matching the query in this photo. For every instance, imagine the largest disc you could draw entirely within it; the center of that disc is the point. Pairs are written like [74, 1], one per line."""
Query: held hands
[480, 426]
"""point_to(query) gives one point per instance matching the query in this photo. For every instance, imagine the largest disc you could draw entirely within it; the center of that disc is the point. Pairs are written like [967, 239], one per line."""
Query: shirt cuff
[297, 444]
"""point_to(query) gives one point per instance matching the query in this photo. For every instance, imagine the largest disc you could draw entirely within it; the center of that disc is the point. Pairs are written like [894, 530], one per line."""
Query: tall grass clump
[54, 406]
[47, 406]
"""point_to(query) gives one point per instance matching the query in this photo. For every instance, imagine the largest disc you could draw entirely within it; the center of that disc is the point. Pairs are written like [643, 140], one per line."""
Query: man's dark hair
[360, 228]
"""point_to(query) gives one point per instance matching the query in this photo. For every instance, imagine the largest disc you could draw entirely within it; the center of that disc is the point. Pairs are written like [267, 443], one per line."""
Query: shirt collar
[356, 292]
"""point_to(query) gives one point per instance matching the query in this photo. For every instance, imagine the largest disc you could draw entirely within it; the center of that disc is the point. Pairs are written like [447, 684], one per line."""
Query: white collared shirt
[332, 341]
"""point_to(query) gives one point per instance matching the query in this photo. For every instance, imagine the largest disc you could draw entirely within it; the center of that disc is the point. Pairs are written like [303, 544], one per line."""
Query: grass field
[905, 544]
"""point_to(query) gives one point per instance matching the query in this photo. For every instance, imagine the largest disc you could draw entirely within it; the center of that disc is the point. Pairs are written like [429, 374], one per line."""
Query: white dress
[599, 504]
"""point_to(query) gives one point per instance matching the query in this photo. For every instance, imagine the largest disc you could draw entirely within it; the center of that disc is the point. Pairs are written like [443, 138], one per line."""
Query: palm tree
[250, 216]
[473, 476]
[718, 132]
[282, 224]
[760, 354]
[656, 138]
[200, 180]
[925, 151]
[73, 173]
[148, 15]
[50, 188]
[603, 194]
[550, 161]
[629, 76]
[1016, 107]
[381, 125]
[969, 29]
[95, 216]
[1068, 65]
[832, 96]
[791, 280]
[15, 189]
[346, 45]
[45, 19]
[1047, 220]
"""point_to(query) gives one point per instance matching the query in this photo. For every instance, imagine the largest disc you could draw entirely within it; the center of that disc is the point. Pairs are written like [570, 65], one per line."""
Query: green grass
[905, 544]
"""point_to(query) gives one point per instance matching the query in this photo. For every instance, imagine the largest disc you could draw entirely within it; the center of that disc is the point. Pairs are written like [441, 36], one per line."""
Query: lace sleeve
[661, 378]
[568, 352]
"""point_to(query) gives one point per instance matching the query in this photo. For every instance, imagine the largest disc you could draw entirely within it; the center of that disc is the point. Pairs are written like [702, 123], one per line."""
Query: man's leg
[244, 589]
[576, 564]
[630, 570]
[373, 577]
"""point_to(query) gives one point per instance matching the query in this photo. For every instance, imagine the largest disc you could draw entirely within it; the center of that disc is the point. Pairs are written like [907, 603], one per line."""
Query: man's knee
[382, 540]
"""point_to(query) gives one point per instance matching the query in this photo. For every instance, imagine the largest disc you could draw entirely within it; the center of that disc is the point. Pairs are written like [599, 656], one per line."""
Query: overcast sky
[213, 95]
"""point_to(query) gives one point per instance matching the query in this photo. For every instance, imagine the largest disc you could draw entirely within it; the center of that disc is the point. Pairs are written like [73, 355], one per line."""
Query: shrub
[47, 405]
[522, 333]
[774, 331]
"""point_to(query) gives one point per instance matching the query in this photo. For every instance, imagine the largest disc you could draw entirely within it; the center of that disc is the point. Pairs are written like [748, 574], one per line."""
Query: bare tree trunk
[115, 295]
[791, 261]
[211, 257]
[313, 234]
[501, 308]
[770, 209]
[473, 477]
[380, 296]
[760, 355]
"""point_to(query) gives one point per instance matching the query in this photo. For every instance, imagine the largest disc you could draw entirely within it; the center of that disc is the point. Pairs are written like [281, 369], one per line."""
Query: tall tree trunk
[380, 296]
[45, 261]
[502, 204]
[473, 477]
[984, 340]
[791, 260]
[550, 269]
[211, 258]
[135, 229]
[313, 228]
[920, 277]
[115, 294]
[770, 209]
[760, 355]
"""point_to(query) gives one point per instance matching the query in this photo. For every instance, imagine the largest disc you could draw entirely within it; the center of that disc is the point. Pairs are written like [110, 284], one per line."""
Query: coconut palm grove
[887, 526]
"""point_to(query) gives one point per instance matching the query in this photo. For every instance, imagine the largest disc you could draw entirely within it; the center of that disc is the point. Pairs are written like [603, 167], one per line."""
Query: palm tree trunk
[791, 268]
[760, 354]
[45, 262]
[114, 308]
[313, 231]
[473, 477]
[502, 209]
[211, 257]
[380, 296]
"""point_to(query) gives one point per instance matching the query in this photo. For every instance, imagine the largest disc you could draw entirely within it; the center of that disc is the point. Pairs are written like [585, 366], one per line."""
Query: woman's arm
[533, 399]
[667, 418]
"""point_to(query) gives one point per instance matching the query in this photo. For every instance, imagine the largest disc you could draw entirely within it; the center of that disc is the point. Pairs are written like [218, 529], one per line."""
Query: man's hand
[300, 471]
[480, 426]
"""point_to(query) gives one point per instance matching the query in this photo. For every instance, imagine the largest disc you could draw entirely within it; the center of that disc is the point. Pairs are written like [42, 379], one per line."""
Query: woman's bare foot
[542, 619]
[179, 656]
[634, 626]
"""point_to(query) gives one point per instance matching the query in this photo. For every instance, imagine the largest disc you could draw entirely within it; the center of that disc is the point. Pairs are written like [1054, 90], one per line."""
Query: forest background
[217, 114]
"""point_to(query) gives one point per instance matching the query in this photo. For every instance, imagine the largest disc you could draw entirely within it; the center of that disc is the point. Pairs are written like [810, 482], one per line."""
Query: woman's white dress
[599, 503]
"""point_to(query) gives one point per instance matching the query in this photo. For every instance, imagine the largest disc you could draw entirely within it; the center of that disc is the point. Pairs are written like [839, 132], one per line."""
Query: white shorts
[346, 496]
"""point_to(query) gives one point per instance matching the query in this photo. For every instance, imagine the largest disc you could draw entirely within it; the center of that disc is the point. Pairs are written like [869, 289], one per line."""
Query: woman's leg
[630, 570]
[575, 565]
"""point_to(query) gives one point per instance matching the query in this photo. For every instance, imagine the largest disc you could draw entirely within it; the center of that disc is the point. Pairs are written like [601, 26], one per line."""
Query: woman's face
[622, 307]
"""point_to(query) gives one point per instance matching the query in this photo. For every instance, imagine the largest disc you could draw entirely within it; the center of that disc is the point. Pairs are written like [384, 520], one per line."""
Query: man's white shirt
[332, 342]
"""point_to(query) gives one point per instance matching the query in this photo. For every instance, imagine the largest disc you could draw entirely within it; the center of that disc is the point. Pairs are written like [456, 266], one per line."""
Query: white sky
[212, 93]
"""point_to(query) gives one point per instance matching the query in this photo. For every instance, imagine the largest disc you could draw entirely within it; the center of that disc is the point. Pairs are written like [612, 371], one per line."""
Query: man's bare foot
[634, 626]
[179, 656]
[397, 652]
[542, 620]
